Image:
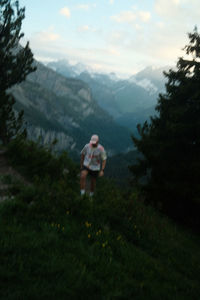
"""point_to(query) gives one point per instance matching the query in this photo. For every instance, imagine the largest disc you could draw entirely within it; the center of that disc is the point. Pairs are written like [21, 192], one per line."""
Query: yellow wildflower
[87, 224]
[89, 236]
[104, 244]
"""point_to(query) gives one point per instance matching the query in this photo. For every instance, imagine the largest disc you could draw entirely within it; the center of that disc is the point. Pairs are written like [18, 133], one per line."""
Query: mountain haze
[129, 101]
[63, 108]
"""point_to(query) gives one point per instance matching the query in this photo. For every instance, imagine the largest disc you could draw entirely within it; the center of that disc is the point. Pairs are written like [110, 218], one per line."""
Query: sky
[120, 36]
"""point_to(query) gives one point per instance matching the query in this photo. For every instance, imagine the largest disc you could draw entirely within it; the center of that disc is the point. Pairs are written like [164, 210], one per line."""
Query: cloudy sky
[121, 36]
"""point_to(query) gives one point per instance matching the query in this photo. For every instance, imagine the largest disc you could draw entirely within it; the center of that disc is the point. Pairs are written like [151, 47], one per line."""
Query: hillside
[61, 108]
[56, 245]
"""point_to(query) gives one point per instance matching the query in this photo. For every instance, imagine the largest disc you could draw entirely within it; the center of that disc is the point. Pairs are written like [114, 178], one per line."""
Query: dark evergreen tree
[170, 142]
[15, 64]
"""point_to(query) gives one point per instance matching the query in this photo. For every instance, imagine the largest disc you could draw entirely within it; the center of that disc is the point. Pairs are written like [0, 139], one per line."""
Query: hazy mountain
[63, 108]
[118, 97]
[130, 101]
[131, 97]
[102, 88]
[63, 67]
[151, 78]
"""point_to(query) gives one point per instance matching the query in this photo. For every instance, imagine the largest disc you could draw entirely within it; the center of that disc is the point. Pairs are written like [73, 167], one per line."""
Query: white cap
[94, 139]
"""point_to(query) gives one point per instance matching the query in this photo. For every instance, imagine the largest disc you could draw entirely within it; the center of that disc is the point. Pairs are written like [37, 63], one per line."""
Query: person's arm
[102, 168]
[82, 159]
[83, 153]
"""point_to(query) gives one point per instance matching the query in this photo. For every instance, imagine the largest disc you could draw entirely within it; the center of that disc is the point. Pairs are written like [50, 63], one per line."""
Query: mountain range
[63, 108]
[129, 101]
[70, 103]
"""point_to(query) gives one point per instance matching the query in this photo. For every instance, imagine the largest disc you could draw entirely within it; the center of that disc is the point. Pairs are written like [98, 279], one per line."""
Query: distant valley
[69, 103]
[63, 108]
[129, 101]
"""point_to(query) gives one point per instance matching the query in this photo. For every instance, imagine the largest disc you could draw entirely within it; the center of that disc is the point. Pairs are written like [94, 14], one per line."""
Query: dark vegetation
[117, 167]
[55, 244]
[170, 142]
[15, 65]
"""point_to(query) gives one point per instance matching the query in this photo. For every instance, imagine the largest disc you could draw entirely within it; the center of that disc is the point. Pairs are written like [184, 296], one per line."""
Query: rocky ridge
[63, 109]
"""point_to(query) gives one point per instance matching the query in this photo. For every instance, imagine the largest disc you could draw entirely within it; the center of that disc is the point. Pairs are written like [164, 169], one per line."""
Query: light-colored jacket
[93, 156]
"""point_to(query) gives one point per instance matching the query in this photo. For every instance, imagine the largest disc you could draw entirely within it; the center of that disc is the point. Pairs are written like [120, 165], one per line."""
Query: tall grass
[56, 245]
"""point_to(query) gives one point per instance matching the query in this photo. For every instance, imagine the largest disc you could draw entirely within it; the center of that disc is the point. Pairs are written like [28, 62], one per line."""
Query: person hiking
[93, 162]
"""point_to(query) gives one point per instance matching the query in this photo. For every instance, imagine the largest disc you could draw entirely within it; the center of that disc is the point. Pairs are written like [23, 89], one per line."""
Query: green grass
[56, 245]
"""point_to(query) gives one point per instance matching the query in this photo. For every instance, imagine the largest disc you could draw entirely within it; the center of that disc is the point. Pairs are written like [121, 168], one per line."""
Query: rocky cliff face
[74, 89]
[48, 137]
[63, 109]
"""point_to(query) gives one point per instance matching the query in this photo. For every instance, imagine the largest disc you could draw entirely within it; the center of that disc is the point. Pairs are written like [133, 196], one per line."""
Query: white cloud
[86, 28]
[137, 37]
[178, 10]
[46, 36]
[131, 17]
[125, 17]
[65, 11]
[137, 26]
[177, 18]
[145, 16]
[83, 6]
[86, 6]
[83, 28]
[114, 51]
[160, 25]
[167, 8]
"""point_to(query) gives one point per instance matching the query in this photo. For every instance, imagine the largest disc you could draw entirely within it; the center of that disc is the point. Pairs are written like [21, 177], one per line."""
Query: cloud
[114, 51]
[131, 17]
[83, 6]
[145, 16]
[83, 28]
[86, 28]
[164, 39]
[86, 7]
[177, 18]
[178, 10]
[139, 37]
[125, 17]
[169, 8]
[101, 59]
[65, 11]
[46, 36]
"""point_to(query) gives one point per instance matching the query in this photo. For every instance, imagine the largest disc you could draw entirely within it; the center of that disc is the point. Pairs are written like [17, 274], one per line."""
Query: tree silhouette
[170, 142]
[16, 62]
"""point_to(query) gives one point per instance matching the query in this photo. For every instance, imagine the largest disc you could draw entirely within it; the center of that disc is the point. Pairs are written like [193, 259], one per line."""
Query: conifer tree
[15, 64]
[170, 142]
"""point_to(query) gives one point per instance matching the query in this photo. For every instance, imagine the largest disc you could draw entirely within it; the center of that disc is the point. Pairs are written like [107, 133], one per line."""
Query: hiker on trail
[93, 162]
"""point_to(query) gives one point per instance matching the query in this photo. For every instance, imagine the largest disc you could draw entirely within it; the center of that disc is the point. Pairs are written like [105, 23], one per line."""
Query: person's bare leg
[92, 185]
[83, 178]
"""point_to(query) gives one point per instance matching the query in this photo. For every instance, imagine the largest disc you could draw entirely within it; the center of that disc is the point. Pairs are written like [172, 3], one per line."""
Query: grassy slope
[55, 245]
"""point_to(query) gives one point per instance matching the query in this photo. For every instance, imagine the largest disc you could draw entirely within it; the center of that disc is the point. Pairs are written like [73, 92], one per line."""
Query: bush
[34, 160]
